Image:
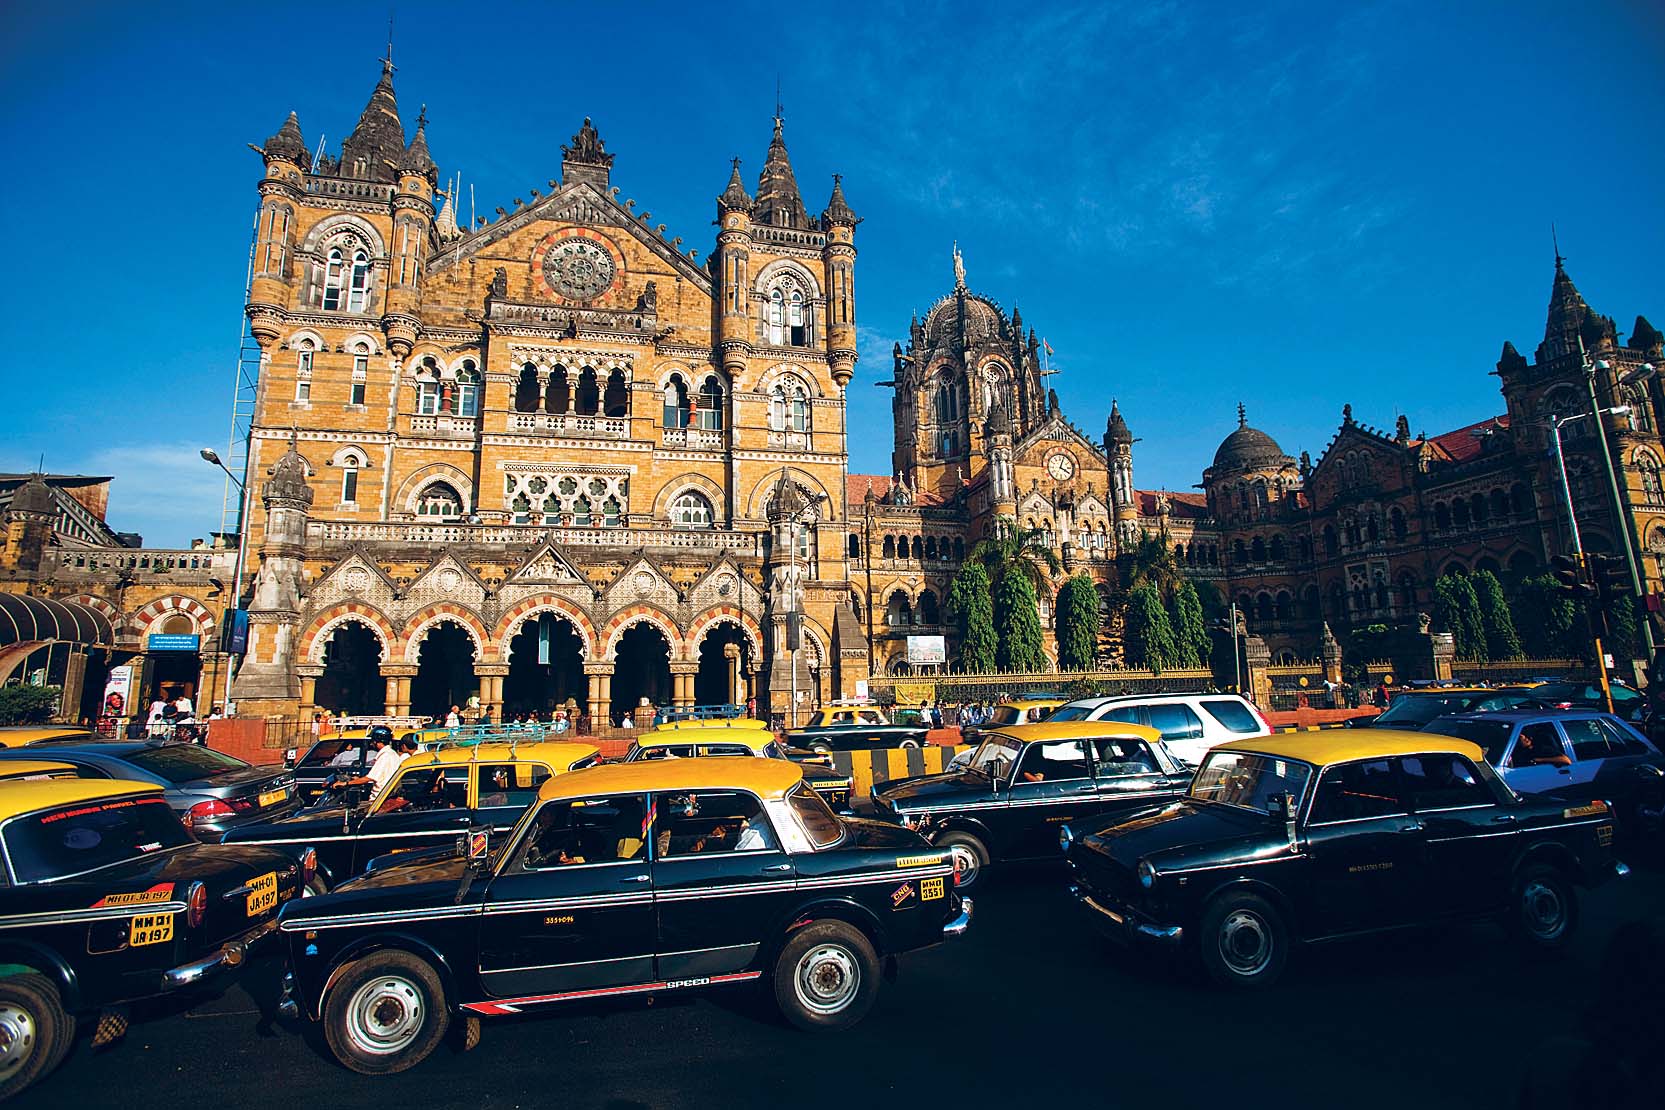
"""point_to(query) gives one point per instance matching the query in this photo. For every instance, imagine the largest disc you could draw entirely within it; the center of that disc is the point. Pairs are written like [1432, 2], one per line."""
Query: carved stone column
[310, 674]
[682, 684]
[601, 689]
[398, 676]
[491, 676]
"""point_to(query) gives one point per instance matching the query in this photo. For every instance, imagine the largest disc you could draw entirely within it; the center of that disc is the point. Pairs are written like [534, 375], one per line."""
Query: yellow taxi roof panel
[19, 737]
[23, 768]
[1074, 730]
[1343, 745]
[754, 738]
[29, 795]
[1031, 703]
[559, 753]
[768, 778]
[715, 722]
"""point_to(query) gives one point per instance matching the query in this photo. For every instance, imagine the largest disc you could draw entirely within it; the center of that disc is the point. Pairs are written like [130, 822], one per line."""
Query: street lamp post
[794, 612]
[211, 456]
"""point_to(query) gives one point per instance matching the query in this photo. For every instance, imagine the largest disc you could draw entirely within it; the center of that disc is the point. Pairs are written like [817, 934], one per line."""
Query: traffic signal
[1569, 578]
[1611, 577]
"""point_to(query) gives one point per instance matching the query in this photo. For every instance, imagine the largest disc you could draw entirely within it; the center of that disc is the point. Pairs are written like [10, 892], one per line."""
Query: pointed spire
[446, 222]
[778, 203]
[1242, 415]
[417, 159]
[1510, 361]
[34, 497]
[734, 197]
[1645, 337]
[1116, 429]
[377, 145]
[287, 144]
[837, 212]
[1566, 305]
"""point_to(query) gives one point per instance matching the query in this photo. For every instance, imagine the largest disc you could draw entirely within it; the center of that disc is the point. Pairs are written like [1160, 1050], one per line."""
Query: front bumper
[962, 922]
[1120, 924]
[231, 954]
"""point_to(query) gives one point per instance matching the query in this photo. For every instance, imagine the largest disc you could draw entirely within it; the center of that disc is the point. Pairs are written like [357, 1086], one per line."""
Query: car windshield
[332, 753]
[185, 762]
[83, 837]
[1490, 735]
[771, 750]
[819, 822]
[996, 756]
[1070, 713]
[1004, 715]
[1419, 709]
[1249, 780]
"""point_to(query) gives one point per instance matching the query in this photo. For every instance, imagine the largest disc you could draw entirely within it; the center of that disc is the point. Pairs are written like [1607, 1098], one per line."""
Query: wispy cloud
[164, 491]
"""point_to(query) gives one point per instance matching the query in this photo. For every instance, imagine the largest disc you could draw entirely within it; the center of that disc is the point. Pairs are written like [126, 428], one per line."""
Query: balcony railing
[506, 535]
[702, 438]
[176, 564]
[443, 426]
[567, 424]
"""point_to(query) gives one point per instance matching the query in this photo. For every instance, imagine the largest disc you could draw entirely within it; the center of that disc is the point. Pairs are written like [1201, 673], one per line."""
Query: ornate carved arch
[405, 499]
[698, 483]
[342, 226]
[787, 271]
[323, 626]
[626, 619]
[202, 621]
[766, 485]
[417, 628]
[725, 614]
[503, 635]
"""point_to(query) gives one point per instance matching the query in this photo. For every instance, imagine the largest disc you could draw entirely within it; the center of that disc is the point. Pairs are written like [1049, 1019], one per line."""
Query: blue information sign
[172, 641]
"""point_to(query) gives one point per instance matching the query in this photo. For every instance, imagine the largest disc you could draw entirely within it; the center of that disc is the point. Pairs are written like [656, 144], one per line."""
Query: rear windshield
[80, 838]
[1004, 715]
[1490, 735]
[821, 823]
[1234, 715]
[1420, 709]
[1070, 713]
[185, 762]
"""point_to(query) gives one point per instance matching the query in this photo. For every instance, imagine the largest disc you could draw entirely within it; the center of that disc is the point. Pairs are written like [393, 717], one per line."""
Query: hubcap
[966, 864]
[1541, 904]
[17, 1037]
[385, 1015]
[1245, 942]
[827, 979]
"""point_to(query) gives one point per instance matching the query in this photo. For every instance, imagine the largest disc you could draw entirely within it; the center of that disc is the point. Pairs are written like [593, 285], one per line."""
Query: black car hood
[1187, 832]
[862, 832]
[309, 822]
[938, 790]
[400, 889]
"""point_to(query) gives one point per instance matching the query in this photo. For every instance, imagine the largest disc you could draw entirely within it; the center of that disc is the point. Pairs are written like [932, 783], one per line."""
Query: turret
[29, 520]
[733, 273]
[281, 191]
[1118, 448]
[413, 219]
[839, 257]
[376, 147]
[778, 203]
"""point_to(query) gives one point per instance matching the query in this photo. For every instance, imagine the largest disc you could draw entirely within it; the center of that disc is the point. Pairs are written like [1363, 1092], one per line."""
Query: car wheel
[1243, 941]
[969, 857]
[316, 887]
[35, 1032]
[909, 744]
[826, 977]
[1543, 907]
[386, 1013]
[821, 747]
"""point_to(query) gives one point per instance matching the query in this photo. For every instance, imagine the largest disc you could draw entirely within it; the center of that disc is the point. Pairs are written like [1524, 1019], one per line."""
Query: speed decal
[150, 928]
[920, 861]
[650, 817]
[1590, 810]
[161, 892]
[930, 890]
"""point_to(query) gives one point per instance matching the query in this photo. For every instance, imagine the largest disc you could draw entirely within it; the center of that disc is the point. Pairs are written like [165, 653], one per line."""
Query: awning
[36, 620]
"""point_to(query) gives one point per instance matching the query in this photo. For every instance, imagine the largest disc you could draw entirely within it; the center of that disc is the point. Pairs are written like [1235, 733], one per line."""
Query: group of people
[176, 718]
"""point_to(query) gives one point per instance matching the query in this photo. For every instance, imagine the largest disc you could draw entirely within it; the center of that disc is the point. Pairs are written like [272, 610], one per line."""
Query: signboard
[118, 692]
[172, 641]
[927, 650]
[234, 633]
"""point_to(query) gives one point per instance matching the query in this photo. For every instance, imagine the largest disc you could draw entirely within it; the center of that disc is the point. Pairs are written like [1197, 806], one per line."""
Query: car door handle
[1505, 819]
[1414, 826]
[1648, 771]
[635, 879]
[778, 867]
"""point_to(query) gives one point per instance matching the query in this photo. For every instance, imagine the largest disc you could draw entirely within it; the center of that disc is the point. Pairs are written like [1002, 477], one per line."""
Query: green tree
[973, 608]
[1149, 638]
[1017, 622]
[1077, 623]
[1457, 611]
[27, 705]
[1623, 637]
[1022, 548]
[1190, 628]
[1502, 641]
[1552, 625]
[1152, 563]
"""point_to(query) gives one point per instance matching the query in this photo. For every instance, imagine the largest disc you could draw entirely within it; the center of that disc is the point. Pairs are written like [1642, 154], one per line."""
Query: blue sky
[1295, 205]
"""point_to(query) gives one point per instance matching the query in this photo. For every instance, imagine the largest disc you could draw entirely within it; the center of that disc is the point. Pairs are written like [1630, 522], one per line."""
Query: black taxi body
[1294, 838]
[689, 743]
[855, 728]
[108, 899]
[623, 879]
[432, 799]
[1026, 781]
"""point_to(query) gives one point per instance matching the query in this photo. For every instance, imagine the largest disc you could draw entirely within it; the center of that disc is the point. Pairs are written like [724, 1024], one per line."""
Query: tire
[970, 857]
[36, 1031]
[909, 744]
[1244, 942]
[821, 747]
[827, 977]
[1543, 907]
[316, 887]
[386, 1013]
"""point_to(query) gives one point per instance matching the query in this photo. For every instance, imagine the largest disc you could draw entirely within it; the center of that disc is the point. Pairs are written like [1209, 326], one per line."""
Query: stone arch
[412, 486]
[365, 338]
[626, 619]
[793, 370]
[309, 336]
[323, 626]
[417, 627]
[111, 613]
[783, 269]
[711, 618]
[329, 227]
[690, 373]
[766, 485]
[695, 482]
[503, 635]
[146, 618]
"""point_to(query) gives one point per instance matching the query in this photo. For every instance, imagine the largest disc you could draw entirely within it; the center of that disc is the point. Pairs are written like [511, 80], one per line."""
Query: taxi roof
[29, 795]
[1074, 730]
[768, 778]
[22, 768]
[1342, 745]
[1031, 703]
[754, 738]
[715, 722]
[560, 752]
[29, 734]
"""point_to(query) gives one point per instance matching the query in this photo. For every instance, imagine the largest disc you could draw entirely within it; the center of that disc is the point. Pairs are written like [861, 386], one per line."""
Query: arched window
[350, 464]
[526, 390]
[709, 413]
[1277, 551]
[1329, 541]
[1306, 549]
[557, 395]
[1520, 498]
[335, 278]
[691, 510]
[521, 507]
[610, 510]
[427, 388]
[776, 319]
[358, 288]
[855, 548]
[303, 371]
[1477, 509]
[1648, 473]
[1285, 605]
[468, 390]
[888, 550]
[928, 608]
[1263, 607]
[1261, 502]
[1459, 514]
[1407, 589]
[797, 320]
[589, 393]
[797, 409]
[439, 502]
[959, 549]
[676, 402]
[1396, 523]
[947, 403]
[1239, 552]
[918, 550]
[898, 613]
[931, 548]
[361, 373]
[1497, 503]
[616, 401]
[1257, 550]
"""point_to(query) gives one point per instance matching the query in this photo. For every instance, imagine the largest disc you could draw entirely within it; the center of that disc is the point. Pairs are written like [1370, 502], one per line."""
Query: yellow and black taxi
[21, 736]
[1025, 781]
[432, 799]
[857, 728]
[1314, 836]
[674, 743]
[712, 722]
[29, 770]
[1018, 711]
[107, 899]
[624, 879]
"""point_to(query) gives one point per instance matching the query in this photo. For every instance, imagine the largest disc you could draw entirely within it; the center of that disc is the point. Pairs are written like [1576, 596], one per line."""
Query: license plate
[150, 928]
[263, 894]
[273, 797]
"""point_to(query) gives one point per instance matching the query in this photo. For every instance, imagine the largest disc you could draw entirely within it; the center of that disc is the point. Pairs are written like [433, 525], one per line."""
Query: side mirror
[478, 843]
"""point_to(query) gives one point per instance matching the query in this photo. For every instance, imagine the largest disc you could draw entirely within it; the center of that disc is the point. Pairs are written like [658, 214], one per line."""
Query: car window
[1251, 781]
[1125, 714]
[710, 822]
[184, 762]
[587, 830]
[1234, 715]
[1419, 709]
[1442, 781]
[419, 788]
[1070, 713]
[1621, 741]
[1589, 739]
[1053, 761]
[1004, 715]
[67, 841]
[725, 749]
[511, 784]
[1120, 756]
[334, 753]
[1538, 743]
[1356, 791]
[1493, 736]
[1495, 702]
[871, 717]
[820, 823]
[668, 751]
[1175, 721]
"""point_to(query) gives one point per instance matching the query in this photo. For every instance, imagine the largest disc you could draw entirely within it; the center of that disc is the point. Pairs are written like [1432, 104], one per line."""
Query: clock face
[579, 269]
[1060, 466]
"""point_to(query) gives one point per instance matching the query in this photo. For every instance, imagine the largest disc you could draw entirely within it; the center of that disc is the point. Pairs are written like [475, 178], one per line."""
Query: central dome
[1247, 447]
[982, 319]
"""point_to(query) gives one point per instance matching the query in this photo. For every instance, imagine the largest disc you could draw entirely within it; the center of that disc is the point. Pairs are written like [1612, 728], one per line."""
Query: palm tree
[1018, 549]
[1151, 563]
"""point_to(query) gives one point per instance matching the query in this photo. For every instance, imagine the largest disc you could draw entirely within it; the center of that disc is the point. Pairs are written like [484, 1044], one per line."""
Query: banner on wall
[926, 651]
[118, 692]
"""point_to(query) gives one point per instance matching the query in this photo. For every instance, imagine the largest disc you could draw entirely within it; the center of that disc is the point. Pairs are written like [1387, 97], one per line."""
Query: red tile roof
[857, 485]
[1465, 443]
[1188, 505]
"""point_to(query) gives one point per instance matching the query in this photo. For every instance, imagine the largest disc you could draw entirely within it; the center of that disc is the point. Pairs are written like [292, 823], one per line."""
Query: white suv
[1190, 724]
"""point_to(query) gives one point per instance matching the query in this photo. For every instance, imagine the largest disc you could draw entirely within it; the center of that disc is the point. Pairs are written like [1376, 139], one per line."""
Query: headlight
[1147, 874]
[1065, 838]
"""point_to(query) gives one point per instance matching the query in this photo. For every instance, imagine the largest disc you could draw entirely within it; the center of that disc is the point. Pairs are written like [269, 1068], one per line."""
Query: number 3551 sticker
[930, 890]
[150, 928]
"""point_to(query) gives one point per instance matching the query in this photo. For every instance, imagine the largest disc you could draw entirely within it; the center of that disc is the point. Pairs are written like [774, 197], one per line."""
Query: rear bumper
[961, 922]
[231, 954]
[1119, 923]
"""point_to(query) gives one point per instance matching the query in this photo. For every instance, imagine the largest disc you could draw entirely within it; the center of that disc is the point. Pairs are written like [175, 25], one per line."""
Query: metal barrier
[884, 764]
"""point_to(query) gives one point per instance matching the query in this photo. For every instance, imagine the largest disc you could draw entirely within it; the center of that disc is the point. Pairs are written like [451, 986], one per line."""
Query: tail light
[196, 904]
[309, 865]
[204, 812]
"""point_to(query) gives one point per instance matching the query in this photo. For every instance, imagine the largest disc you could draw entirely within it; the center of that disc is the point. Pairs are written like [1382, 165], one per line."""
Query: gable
[548, 566]
[355, 577]
[1057, 431]
[643, 581]
[449, 579]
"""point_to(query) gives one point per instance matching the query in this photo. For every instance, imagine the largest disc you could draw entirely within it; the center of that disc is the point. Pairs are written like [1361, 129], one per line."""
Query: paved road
[1028, 1008]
